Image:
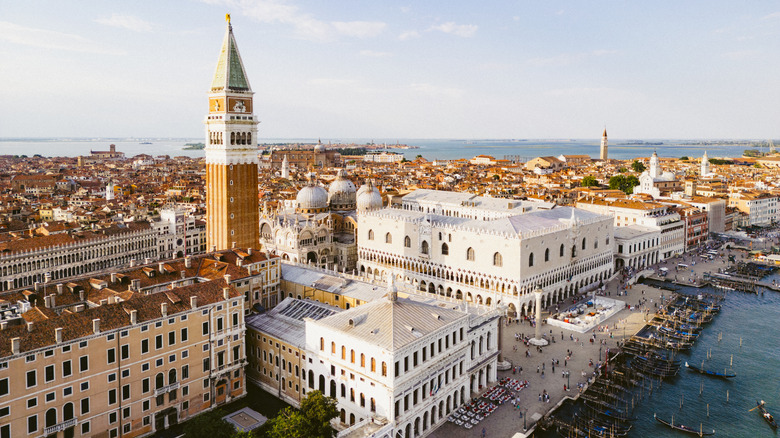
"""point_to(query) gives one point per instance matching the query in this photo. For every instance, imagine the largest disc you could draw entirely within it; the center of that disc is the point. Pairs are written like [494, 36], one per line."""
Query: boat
[684, 428]
[701, 370]
[767, 416]
[146, 142]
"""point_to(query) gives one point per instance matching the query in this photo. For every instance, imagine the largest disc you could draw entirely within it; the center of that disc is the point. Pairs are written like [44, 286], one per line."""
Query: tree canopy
[312, 420]
[589, 181]
[624, 183]
[637, 166]
[209, 425]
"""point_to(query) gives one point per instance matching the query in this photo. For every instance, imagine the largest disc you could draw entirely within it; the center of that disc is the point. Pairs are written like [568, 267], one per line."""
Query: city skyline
[524, 70]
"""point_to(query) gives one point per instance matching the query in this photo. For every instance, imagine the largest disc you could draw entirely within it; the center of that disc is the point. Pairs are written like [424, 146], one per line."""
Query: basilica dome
[369, 198]
[342, 193]
[312, 198]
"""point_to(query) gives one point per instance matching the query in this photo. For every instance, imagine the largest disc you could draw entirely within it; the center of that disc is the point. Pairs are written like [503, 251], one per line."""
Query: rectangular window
[184, 335]
[158, 342]
[205, 364]
[66, 369]
[111, 354]
[205, 328]
[111, 377]
[144, 346]
[50, 397]
[126, 427]
[49, 373]
[219, 324]
[113, 433]
[67, 391]
[84, 406]
[171, 338]
[4, 387]
[83, 363]
[125, 392]
[125, 374]
[145, 385]
[33, 402]
[185, 354]
[145, 367]
[5, 411]
[32, 424]
[125, 351]
[112, 417]
[85, 428]
[235, 319]
[145, 406]
[111, 396]
[5, 431]
[32, 379]
[185, 372]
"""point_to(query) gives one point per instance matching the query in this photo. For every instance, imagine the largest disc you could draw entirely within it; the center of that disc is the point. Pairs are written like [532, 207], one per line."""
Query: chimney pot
[113, 277]
[81, 295]
[30, 326]
[249, 251]
[96, 325]
[133, 317]
[226, 293]
[37, 286]
[59, 288]
[47, 301]
[58, 335]
[164, 309]
[239, 262]
[147, 260]
[161, 267]
[15, 345]
[233, 245]
[53, 299]
[188, 262]
[227, 278]
[194, 302]
[132, 263]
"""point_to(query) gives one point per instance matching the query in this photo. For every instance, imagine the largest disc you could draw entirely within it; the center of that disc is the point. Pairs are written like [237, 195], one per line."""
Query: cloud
[305, 24]
[375, 54]
[437, 91]
[461, 30]
[772, 16]
[359, 29]
[408, 34]
[49, 39]
[128, 22]
[568, 58]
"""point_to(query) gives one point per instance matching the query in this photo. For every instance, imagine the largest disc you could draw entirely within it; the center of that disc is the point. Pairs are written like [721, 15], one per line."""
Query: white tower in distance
[109, 191]
[705, 165]
[285, 168]
[655, 169]
[603, 155]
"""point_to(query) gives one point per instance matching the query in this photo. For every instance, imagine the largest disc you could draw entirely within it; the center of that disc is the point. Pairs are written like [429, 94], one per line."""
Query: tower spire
[230, 74]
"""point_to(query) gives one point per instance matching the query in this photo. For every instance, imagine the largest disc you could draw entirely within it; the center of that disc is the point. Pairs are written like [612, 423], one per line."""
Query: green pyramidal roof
[230, 74]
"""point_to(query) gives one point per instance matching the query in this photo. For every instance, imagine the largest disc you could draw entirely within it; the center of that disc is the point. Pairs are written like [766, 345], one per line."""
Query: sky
[394, 69]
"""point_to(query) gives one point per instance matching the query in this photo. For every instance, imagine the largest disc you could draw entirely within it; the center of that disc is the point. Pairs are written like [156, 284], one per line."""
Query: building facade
[231, 154]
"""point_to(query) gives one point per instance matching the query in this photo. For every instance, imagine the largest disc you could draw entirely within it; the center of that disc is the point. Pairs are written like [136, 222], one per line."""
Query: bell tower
[232, 215]
[604, 148]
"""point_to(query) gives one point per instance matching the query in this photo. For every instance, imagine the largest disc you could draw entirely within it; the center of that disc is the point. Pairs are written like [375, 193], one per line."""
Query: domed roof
[341, 193]
[312, 196]
[319, 148]
[369, 198]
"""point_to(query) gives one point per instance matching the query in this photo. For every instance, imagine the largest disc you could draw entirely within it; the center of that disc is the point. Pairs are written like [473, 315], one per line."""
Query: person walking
[483, 432]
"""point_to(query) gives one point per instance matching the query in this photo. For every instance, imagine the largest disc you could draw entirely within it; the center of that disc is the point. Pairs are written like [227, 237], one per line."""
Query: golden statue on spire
[227, 18]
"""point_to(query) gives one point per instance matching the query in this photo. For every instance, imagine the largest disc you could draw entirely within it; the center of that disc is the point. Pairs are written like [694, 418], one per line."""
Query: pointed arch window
[530, 260]
[370, 234]
[425, 249]
[445, 250]
[407, 242]
[388, 238]
[583, 244]
[547, 254]
[498, 260]
[561, 255]
[470, 254]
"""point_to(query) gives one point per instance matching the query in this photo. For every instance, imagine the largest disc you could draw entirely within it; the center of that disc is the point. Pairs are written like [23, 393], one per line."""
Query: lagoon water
[429, 148]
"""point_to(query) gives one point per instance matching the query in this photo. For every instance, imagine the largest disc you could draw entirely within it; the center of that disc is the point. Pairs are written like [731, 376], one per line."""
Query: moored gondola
[701, 370]
[683, 428]
[767, 416]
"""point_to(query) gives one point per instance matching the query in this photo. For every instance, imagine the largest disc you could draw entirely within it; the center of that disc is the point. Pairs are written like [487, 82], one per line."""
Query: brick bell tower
[232, 215]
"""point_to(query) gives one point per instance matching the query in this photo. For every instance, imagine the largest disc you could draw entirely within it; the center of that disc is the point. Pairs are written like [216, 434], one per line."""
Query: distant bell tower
[705, 165]
[603, 155]
[232, 215]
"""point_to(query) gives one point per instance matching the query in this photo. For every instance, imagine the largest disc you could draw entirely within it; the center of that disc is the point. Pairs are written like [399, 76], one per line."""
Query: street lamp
[568, 380]
[525, 414]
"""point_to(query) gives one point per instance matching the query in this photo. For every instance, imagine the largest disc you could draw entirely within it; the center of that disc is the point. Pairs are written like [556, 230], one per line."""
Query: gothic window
[370, 234]
[388, 238]
[530, 260]
[583, 244]
[232, 138]
[249, 138]
[445, 250]
[547, 254]
[574, 250]
[596, 244]
[425, 247]
[407, 242]
[498, 260]
[470, 254]
[607, 240]
[561, 250]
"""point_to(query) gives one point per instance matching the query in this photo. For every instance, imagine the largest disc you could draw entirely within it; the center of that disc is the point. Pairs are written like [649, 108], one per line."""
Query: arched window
[607, 240]
[352, 356]
[561, 255]
[322, 344]
[498, 260]
[425, 247]
[388, 238]
[583, 244]
[332, 348]
[470, 254]
[574, 250]
[596, 244]
[159, 381]
[384, 368]
[172, 376]
[370, 234]
[362, 360]
[373, 365]
[67, 412]
[530, 260]
[547, 254]
[343, 352]
[407, 242]
[445, 250]
[51, 417]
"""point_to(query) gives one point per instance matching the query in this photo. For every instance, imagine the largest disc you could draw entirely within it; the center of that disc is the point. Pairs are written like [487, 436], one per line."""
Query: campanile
[232, 216]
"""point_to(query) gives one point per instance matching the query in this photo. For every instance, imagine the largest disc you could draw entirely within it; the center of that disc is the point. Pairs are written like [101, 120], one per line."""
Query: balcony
[61, 426]
[165, 389]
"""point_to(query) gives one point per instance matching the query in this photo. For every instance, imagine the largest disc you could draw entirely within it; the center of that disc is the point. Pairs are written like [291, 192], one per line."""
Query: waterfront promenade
[507, 420]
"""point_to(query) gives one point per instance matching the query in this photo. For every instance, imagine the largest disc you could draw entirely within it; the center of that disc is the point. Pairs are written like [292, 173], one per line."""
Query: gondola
[767, 416]
[701, 370]
[684, 428]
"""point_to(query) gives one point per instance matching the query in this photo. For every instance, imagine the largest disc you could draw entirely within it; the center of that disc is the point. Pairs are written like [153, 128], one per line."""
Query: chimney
[249, 251]
[58, 335]
[213, 248]
[3, 325]
[47, 301]
[227, 278]
[147, 260]
[37, 286]
[133, 317]
[183, 275]
[188, 262]
[161, 267]
[164, 309]
[194, 302]
[132, 263]
[233, 245]
[15, 346]
[81, 295]
[53, 300]
[59, 288]
[239, 262]
[226, 293]
[135, 285]
[96, 325]
[30, 326]
[113, 277]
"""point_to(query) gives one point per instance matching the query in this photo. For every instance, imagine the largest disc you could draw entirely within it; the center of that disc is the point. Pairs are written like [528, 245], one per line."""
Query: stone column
[537, 340]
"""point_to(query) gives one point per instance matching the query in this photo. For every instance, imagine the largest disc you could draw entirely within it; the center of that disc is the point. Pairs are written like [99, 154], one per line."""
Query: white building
[653, 181]
[179, 234]
[384, 157]
[486, 251]
[636, 246]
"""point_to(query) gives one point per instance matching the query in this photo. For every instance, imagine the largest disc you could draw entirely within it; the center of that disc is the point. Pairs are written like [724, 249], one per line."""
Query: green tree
[209, 425]
[418, 156]
[589, 181]
[622, 170]
[624, 183]
[684, 158]
[496, 177]
[637, 166]
[312, 420]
